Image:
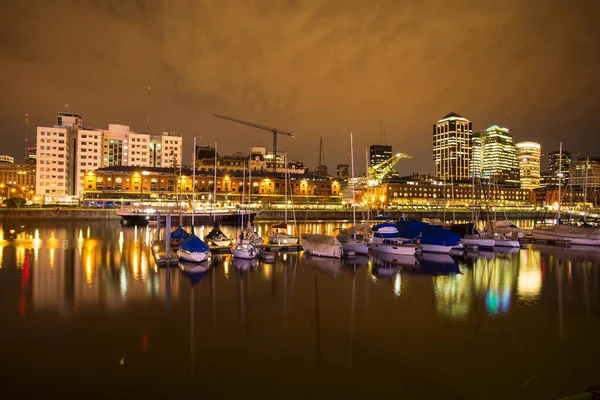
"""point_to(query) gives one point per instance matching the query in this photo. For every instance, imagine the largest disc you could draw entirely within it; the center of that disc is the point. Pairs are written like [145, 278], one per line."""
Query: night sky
[314, 68]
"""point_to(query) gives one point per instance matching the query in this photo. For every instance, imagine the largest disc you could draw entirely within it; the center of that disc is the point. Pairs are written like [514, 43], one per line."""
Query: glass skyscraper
[452, 147]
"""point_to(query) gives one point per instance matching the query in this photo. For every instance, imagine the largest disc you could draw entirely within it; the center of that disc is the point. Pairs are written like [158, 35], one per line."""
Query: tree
[14, 202]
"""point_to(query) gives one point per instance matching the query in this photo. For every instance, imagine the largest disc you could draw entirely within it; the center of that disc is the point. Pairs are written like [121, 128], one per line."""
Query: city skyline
[312, 69]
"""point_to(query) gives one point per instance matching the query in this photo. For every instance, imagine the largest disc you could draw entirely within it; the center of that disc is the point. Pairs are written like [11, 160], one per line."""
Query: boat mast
[286, 188]
[214, 184]
[242, 200]
[559, 182]
[193, 181]
[353, 195]
[585, 189]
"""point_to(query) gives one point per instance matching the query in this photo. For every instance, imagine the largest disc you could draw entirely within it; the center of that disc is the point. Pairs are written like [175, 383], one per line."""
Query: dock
[159, 251]
[275, 248]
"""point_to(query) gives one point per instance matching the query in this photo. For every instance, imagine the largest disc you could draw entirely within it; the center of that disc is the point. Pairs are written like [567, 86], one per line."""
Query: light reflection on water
[78, 269]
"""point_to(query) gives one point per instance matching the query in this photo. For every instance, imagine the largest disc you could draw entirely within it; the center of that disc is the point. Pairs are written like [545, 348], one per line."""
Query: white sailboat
[243, 248]
[279, 232]
[193, 248]
[351, 242]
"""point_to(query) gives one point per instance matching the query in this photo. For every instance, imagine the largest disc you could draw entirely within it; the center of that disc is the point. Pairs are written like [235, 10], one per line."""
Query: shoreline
[266, 215]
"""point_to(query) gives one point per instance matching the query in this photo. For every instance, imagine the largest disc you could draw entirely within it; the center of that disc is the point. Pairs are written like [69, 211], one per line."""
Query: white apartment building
[67, 152]
[165, 150]
[54, 162]
[88, 150]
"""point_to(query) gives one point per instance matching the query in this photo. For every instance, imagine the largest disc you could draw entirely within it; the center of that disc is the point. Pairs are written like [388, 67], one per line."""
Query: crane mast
[378, 171]
[275, 132]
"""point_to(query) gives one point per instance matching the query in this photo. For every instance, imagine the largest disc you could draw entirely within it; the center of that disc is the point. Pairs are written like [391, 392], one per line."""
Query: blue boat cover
[179, 234]
[386, 234]
[193, 244]
[429, 234]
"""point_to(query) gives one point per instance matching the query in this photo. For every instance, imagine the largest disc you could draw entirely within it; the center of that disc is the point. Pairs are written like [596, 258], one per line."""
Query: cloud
[315, 68]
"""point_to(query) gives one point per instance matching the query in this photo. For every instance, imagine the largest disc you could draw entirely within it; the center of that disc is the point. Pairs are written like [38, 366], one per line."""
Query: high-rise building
[476, 164]
[499, 156]
[555, 159]
[321, 170]
[379, 153]
[343, 171]
[452, 147]
[529, 155]
[583, 179]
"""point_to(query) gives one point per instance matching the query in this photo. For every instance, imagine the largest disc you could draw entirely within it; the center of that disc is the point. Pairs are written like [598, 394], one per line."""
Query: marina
[294, 316]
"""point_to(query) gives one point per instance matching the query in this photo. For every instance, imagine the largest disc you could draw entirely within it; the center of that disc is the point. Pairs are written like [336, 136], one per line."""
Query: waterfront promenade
[264, 215]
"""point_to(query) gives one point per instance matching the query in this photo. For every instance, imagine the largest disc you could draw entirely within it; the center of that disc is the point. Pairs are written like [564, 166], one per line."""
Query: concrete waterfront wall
[54, 214]
[301, 216]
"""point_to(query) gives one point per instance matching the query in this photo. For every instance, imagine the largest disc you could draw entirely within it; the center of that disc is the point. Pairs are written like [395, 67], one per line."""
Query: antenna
[148, 114]
[26, 138]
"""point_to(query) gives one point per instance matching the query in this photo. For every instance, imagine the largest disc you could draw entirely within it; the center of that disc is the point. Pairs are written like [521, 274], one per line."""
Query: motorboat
[280, 235]
[193, 249]
[385, 231]
[322, 245]
[432, 238]
[394, 247]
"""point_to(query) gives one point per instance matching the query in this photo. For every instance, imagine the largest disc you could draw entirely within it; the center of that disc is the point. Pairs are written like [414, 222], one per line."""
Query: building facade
[560, 162]
[343, 171]
[476, 164]
[499, 156]
[379, 153]
[67, 152]
[17, 180]
[165, 185]
[585, 173]
[452, 147]
[529, 155]
[6, 159]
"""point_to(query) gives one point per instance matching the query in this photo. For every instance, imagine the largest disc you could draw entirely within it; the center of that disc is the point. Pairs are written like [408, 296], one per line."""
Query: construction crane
[379, 171]
[275, 132]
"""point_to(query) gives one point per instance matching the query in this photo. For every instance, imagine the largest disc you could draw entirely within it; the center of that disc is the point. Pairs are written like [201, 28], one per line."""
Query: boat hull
[576, 235]
[356, 246]
[510, 243]
[480, 242]
[398, 249]
[283, 240]
[436, 248]
[196, 257]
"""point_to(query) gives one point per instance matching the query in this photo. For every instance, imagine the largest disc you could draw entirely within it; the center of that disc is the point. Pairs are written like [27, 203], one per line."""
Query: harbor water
[86, 313]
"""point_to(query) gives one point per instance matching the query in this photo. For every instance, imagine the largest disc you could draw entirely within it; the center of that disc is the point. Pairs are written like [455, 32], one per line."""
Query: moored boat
[245, 250]
[178, 236]
[193, 249]
[322, 245]
[394, 247]
[280, 235]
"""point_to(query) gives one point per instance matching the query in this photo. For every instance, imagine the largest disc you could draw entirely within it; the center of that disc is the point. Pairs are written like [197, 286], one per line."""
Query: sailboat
[347, 238]
[578, 235]
[193, 248]
[279, 232]
[244, 249]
